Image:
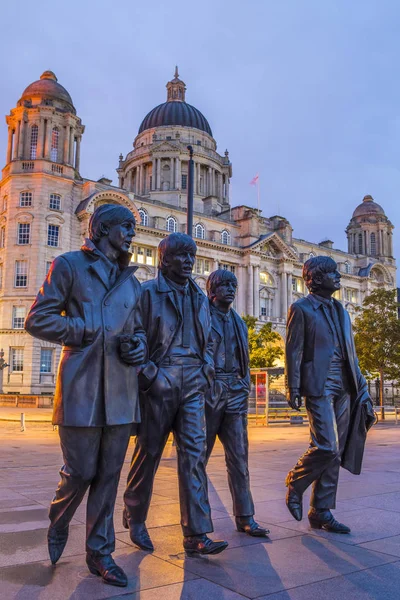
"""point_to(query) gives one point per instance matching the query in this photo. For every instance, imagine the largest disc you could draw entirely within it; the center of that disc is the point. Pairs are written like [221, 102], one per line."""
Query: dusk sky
[304, 92]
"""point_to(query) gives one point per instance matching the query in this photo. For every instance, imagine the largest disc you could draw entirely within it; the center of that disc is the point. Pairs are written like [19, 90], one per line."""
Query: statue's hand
[133, 350]
[294, 398]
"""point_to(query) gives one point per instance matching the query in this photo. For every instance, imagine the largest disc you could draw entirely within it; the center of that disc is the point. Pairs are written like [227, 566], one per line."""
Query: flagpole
[258, 195]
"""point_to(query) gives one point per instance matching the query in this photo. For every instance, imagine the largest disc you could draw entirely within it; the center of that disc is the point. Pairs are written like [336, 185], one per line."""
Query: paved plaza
[294, 564]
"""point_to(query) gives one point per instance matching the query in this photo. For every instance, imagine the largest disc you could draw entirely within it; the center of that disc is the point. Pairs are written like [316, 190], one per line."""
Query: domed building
[46, 204]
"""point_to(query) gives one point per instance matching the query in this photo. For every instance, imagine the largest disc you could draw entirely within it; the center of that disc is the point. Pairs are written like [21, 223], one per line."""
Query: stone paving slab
[378, 583]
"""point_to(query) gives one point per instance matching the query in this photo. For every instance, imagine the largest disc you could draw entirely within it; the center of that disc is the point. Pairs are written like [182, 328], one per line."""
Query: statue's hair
[173, 244]
[217, 277]
[108, 214]
[315, 268]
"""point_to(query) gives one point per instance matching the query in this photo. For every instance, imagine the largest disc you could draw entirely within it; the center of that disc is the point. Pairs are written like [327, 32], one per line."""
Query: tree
[377, 338]
[264, 348]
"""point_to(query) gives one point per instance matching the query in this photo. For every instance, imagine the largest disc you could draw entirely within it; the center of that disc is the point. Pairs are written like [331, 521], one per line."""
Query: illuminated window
[25, 199]
[266, 278]
[225, 237]
[18, 317]
[3, 236]
[149, 257]
[24, 233]
[144, 217]
[53, 235]
[55, 202]
[54, 145]
[46, 360]
[34, 141]
[297, 285]
[140, 255]
[171, 225]
[202, 266]
[21, 273]
[373, 244]
[17, 359]
[184, 182]
[347, 267]
[199, 231]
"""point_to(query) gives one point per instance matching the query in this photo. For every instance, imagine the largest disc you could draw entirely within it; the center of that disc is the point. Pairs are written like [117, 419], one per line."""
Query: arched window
[225, 237]
[34, 141]
[171, 225]
[347, 268]
[311, 255]
[373, 244]
[360, 243]
[199, 231]
[54, 145]
[144, 217]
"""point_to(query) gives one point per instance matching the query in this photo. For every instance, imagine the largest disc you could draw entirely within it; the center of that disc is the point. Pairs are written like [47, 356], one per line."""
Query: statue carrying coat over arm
[322, 366]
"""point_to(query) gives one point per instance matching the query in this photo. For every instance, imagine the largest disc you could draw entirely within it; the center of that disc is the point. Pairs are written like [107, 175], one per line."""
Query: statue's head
[221, 287]
[176, 256]
[321, 275]
[114, 222]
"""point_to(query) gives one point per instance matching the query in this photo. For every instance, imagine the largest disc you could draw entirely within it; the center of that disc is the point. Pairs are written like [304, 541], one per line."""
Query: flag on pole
[254, 181]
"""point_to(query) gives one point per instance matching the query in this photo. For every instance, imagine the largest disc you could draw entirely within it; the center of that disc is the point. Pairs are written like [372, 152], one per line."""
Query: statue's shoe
[202, 544]
[105, 567]
[138, 533]
[325, 520]
[294, 502]
[251, 527]
[56, 541]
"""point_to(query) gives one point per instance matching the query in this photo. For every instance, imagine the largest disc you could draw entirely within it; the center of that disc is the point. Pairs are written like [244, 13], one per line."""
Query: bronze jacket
[78, 308]
[161, 319]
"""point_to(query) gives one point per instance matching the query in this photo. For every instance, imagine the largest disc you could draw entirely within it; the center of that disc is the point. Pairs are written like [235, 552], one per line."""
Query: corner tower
[370, 233]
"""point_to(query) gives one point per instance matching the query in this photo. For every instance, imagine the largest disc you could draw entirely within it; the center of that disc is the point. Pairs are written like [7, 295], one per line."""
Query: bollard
[22, 421]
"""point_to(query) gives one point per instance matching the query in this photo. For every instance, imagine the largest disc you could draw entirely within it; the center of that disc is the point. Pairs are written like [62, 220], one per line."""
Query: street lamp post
[190, 191]
[3, 365]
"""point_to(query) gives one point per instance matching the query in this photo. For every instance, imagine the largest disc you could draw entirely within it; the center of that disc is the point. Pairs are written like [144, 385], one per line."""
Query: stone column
[71, 146]
[240, 296]
[158, 185]
[16, 141]
[9, 144]
[47, 141]
[227, 188]
[198, 178]
[209, 181]
[214, 265]
[153, 174]
[256, 290]
[78, 153]
[129, 181]
[283, 294]
[21, 144]
[250, 294]
[289, 290]
[172, 173]
[178, 174]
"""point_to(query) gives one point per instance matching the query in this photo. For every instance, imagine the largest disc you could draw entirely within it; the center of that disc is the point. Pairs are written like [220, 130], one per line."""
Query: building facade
[45, 206]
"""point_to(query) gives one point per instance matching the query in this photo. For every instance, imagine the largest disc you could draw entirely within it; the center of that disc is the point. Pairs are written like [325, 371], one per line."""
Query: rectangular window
[263, 311]
[21, 273]
[149, 256]
[25, 199]
[184, 182]
[206, 267]
[140, 255]
[24, 233]
[46, 360]
[199, 266]
[1, 276]
[227, 267]
[48, 265]
[55, 202]
[53, 234]
[18, 317]
[5, 203]
[2, 237]
[17, 359]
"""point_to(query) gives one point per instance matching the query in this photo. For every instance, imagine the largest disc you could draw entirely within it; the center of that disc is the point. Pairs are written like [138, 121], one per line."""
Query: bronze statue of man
[173, 384]
[227, 402]
[88, 304]
[322, 366]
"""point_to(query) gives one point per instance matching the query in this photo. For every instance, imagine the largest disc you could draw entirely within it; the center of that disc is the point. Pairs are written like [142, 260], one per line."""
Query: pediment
[273, 245]
[165, 146]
